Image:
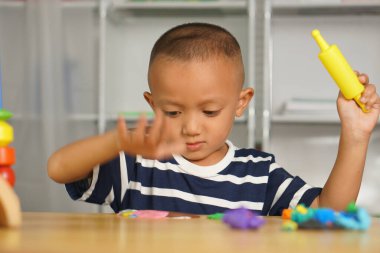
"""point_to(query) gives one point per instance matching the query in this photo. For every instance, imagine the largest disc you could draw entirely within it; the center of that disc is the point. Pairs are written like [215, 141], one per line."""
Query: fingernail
[363, 99]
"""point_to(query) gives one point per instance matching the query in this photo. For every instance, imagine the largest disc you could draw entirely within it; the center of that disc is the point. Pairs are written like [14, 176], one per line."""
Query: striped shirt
[243, 178]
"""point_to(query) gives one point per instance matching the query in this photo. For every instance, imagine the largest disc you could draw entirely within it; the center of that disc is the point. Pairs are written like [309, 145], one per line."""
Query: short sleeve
[286, 191]
[105, 186]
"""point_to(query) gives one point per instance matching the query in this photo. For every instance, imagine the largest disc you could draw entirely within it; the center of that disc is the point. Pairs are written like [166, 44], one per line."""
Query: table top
[70, 232]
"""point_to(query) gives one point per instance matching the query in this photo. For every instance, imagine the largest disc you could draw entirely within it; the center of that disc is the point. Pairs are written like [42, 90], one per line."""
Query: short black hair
[198, 41]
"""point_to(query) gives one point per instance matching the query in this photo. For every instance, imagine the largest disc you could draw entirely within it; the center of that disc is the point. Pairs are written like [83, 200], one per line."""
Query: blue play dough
[328, 218]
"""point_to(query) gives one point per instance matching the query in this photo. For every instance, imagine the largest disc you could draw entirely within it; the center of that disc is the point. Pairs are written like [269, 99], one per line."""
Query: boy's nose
[191, 127]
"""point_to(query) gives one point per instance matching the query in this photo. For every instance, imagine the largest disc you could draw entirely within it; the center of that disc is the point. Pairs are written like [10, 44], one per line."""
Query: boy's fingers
[372, 101]
[340, 95]
[122, 133]
[363, 78]
[369, 91]
[122, 127]
[140, 129]
[377, 103]
[372, 97]
[168, 148]
[156, 129]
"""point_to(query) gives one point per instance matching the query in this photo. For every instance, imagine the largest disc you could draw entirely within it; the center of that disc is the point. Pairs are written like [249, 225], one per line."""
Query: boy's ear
[244, 98]
[148, 97]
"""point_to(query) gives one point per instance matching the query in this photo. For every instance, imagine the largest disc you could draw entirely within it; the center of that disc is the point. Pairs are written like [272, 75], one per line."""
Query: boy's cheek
[171, 131]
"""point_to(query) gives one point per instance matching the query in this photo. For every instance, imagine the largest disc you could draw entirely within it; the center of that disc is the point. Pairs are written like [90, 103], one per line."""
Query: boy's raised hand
[352, 116]
[152, 144]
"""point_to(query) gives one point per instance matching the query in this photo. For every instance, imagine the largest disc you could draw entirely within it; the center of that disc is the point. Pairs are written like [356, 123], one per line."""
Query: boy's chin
[198, 159]
[204, 157]
[193, 158]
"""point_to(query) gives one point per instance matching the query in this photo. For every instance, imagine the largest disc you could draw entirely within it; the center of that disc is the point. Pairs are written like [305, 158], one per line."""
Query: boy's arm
[343, 184]
[77, 160]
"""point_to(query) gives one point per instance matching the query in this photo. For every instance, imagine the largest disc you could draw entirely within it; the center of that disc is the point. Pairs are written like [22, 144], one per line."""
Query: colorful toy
[353, 218]
[215, 216]
[289, 225]
[7, 154]
[144, 214]
[10, 214]
[242, 218]
[155, 214]
[340, 70]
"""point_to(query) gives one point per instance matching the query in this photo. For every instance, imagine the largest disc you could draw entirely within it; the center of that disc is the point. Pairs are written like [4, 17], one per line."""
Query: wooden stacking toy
[10, 214]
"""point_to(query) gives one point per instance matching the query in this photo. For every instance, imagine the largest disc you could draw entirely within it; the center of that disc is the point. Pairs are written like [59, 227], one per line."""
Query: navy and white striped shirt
[244, 177]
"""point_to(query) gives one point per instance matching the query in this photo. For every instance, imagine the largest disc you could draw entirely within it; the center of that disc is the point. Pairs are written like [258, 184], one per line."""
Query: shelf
[326, 9]
[88, 4]
[95, 117]
[83, 117]
[168, 7]
[308, 119]
[71, 117]
[242, 119]
[148, 5]
[85, 4]
[238, 5]
[11, 4]
[315, 118]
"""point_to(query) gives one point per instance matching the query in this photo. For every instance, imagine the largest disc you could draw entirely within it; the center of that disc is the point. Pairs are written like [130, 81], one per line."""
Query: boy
[196, 77]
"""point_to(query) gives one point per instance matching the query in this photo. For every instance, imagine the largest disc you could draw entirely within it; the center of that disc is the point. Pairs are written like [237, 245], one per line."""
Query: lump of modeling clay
[242, 218]
[353, 218]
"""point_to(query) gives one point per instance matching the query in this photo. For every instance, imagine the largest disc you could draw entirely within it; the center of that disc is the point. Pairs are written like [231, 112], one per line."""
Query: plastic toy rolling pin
[340, 70]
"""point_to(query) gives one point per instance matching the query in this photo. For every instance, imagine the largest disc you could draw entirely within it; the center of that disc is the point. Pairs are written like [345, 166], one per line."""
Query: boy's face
[200, 100]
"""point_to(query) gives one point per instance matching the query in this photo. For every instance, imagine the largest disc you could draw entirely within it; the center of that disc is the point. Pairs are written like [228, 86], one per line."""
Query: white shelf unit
[306, 144]
[331, 118]
[332, 11]
[325, 8]
[288, 13]
[11, 4]
[66, 4]
[82, 4]
[240, 5]
[108, 10]
[113, 15]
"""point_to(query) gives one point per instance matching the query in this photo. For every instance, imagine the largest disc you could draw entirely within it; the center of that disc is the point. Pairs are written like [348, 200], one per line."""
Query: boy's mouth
[194, 146]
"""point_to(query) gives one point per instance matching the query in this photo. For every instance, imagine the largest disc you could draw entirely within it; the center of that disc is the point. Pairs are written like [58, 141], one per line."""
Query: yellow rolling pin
[340, 70]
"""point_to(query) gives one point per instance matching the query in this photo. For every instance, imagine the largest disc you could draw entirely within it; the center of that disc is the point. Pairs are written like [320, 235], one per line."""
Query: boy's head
[198, 42]
[196, 76]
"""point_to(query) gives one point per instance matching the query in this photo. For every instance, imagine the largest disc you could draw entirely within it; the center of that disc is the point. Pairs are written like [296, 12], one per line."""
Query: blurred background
[70, 66]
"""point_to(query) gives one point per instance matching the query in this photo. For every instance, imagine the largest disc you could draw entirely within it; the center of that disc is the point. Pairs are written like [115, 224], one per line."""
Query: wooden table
[63, 232]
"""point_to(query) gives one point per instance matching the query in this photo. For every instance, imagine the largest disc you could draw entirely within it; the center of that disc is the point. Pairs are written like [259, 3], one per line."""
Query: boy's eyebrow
[169, 102]
[202, 103]
[211, 101]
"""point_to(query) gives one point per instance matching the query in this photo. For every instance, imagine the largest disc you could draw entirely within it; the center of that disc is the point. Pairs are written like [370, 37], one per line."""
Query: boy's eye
[211, 113]
[172, 113]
